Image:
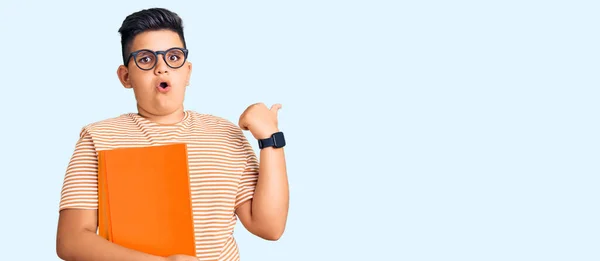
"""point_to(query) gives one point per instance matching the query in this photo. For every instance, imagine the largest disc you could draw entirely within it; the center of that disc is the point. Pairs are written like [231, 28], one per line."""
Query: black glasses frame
[156, 53]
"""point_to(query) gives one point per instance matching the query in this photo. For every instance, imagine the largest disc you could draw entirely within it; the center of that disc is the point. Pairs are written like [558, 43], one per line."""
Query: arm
[265, 214]
[77, 240]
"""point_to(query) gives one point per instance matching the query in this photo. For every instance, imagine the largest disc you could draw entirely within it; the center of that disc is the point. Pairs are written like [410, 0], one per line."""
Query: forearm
[87, 246]
[271, 195]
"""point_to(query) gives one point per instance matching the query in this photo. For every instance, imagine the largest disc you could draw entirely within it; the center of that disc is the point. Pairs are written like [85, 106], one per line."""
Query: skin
[265, 215]
[164, 108]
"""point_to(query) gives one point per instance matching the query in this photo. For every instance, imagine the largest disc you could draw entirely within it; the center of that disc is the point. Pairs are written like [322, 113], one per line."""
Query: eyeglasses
[146, 59]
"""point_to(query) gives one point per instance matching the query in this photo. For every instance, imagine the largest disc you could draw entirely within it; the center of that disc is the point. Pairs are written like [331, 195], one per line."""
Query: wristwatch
[276, 140]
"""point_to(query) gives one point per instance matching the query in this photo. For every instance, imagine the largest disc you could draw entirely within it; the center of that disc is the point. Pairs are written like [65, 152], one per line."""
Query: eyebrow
[154, 50]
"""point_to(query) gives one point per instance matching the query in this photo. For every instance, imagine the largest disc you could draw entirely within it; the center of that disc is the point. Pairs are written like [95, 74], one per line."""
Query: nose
[161, 67]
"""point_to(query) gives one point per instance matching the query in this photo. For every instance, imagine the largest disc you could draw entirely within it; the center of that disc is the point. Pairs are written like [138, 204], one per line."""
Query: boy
[221, 160]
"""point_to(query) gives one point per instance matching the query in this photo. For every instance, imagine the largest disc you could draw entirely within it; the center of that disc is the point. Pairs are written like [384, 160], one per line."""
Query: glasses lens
[175, 58]
[145, 60]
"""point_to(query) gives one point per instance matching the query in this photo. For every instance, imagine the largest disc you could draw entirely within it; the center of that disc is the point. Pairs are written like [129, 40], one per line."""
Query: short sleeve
[80, 185]
[249, 176]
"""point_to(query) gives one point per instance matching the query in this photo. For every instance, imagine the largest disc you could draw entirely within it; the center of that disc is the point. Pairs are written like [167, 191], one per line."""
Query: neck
[168, 118]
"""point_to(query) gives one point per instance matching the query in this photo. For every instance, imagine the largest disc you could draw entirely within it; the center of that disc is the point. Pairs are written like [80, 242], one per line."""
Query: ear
[123, 74]
[189, 67]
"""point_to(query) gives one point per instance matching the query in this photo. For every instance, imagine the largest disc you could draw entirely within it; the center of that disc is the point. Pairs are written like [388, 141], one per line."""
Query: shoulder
[215, 123]
[118, 123]
[220, 128]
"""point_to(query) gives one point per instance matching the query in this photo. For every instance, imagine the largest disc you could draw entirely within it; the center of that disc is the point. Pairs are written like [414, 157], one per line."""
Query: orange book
[145, 200]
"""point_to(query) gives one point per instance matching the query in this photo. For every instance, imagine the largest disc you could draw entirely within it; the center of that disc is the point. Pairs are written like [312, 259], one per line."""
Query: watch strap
[276, 140]
[268, 142]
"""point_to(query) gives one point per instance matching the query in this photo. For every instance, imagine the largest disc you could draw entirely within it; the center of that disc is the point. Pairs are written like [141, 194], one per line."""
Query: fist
[181, 258]
[260, 120]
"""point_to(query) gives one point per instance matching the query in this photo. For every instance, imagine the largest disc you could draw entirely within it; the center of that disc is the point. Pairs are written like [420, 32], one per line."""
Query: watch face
[279, 140]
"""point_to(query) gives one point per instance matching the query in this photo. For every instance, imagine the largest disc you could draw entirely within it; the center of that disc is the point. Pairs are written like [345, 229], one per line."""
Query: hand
[261, 121]
[181, 258]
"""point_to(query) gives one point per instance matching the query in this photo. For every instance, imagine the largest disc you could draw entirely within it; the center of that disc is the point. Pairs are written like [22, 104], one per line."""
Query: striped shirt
[223, 170]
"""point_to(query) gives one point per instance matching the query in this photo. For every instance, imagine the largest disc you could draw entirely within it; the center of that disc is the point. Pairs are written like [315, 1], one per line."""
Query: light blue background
[417, 130]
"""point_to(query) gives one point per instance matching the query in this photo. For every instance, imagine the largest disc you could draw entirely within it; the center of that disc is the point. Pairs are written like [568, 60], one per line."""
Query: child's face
[159, 91]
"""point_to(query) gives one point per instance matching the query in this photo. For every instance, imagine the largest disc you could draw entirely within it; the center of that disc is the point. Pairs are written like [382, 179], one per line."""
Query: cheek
[178, 79]
[140, 79]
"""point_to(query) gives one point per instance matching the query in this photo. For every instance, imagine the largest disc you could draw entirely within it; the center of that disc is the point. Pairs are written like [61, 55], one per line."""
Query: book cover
[145, 200]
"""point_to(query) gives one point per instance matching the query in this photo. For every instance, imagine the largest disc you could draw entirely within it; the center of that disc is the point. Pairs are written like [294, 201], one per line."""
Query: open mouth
[163, 86]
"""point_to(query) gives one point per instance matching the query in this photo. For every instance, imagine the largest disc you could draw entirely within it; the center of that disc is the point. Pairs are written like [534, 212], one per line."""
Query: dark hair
[148, 20]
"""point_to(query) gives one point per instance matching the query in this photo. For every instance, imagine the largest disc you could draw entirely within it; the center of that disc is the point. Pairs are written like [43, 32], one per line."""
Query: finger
[275, 107]
[241, 124]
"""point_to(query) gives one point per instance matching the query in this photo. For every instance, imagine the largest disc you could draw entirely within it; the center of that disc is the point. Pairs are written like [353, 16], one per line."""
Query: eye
[145, 59]
[174, 57]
